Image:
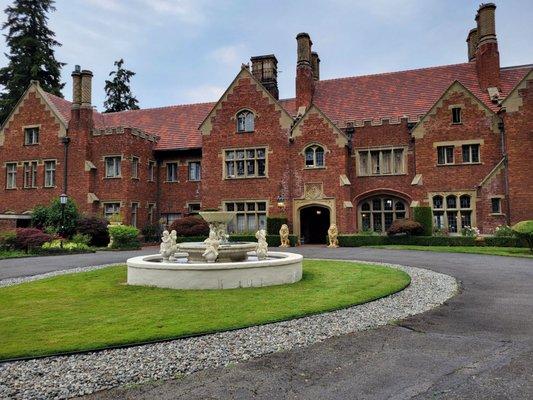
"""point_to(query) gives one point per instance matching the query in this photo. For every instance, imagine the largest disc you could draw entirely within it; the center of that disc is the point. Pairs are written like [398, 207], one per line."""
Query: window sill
[312, 168]
[112, 177]
[244, 177]
[499, 214]
[172, 182]
[447, 165]
[11, 188]
[31, 144]
[49, 187]
[135, 179]
[241, 132]
[194, 180]
[472, 163]
[380, 175]
[30, 188]
[457, 123]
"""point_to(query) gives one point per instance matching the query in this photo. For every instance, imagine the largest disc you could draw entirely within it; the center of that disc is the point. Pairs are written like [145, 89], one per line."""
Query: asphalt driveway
[477, 346]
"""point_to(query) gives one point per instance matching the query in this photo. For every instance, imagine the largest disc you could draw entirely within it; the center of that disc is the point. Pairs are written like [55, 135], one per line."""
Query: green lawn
[495, 251]
[96, 309]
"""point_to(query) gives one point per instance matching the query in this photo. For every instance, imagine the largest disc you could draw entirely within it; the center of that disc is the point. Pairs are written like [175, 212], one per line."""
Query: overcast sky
[187, 51]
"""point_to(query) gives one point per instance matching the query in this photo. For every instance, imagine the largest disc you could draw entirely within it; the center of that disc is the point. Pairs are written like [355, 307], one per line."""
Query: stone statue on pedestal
[167, 248]
[333, 232]
[262, 245]
[284, 236]
[211, 247]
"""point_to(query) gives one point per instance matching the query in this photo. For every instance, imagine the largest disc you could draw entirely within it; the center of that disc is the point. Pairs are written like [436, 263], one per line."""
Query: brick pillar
[305, 85]
[487, 55]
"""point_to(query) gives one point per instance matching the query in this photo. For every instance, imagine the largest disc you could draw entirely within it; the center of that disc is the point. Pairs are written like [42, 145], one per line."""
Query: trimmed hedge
[357, 241]
[274, 224]
[424, 216]
[496, 241]
[124, 237]
[272, 240]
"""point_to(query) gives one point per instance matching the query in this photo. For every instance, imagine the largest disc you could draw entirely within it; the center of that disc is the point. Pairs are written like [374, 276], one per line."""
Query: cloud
[204, 93]
[229, 55]
[190, 11]
[109, 5]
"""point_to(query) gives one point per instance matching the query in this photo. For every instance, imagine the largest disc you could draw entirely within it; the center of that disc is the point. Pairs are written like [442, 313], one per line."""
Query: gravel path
[69, 376]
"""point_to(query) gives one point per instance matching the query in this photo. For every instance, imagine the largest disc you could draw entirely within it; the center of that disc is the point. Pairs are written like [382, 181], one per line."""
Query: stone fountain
[215, 263]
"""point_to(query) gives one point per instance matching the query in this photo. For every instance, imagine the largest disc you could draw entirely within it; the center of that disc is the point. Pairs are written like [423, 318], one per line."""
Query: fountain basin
[278, 269]
[229, 252]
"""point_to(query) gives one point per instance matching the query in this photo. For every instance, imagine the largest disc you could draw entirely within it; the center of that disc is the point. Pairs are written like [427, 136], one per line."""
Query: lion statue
[284, 236]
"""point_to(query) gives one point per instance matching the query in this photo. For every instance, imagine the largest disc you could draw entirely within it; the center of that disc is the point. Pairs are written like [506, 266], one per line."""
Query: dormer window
[314, 156]
[31, 135]
[245, 121]
[456, 115]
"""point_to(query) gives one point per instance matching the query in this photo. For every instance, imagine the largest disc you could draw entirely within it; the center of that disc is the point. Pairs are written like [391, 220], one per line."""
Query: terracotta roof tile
[396, 94]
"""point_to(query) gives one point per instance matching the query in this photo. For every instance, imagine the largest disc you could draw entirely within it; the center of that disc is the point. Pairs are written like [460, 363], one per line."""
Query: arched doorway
[314, 224]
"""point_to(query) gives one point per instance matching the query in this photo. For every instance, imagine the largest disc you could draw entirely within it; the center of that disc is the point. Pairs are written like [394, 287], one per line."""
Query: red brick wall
[315, 130]
[519, 141]
[176, 195]
[476, 125]
[394, 135]
[125, 189]
[268, 133]
[32, 111]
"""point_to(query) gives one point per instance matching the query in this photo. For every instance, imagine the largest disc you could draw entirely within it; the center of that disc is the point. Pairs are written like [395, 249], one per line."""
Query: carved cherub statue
[333, 232]
[173, 245]
[262, 245]
[284, 236]
[165, 249]
[211, 247]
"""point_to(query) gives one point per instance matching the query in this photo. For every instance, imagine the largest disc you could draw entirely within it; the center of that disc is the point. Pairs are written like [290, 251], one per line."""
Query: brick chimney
[315, 65]
[76, 93]
[86, 108]
[487, 56]
[472, 41]
[265, 70]
[305, 85]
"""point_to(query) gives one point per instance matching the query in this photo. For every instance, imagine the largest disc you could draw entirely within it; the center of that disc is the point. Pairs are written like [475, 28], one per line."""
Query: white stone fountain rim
[222, 246]
[276, 258]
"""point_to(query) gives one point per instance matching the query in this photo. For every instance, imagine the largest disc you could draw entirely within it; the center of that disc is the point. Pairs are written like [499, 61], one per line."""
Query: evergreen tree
[31, 52]
[118, 92]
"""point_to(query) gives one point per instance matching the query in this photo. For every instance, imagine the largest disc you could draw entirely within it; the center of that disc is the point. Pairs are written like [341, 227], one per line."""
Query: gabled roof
[392, 95]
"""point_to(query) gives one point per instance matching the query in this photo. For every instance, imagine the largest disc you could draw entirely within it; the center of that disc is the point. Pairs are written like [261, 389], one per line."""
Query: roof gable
[342, 139]
[35, 88]
[419, 131]
[513, 102]
[285, 120]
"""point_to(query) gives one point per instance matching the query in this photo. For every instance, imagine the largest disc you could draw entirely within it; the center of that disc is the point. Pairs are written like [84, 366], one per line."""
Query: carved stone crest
[313, 191]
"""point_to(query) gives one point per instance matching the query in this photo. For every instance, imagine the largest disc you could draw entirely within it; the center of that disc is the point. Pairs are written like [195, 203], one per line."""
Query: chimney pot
[86, 88]
[315, 65]
[76, 87]
[472, 41]
[265, 70]
[487, 55]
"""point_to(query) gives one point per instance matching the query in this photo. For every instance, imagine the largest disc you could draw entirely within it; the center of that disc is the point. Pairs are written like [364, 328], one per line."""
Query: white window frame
[234, 160]
[114, 170]
[313, 149]
[115, 206]
[151, 170]
[151, 212]
[469, 148]
[446, 160]
[368, 154]
[30, 174]
[250, 214]
[198, 172]
[167, 171]
[31, 135]
[245, 121]
[134, 213]
[458, 210]
[50, 173]
[11, 175]
[135, 162]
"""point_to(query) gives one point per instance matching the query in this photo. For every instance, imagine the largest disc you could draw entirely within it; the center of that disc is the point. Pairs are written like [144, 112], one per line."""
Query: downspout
[158, 192]
[66, 141]
[501, 127]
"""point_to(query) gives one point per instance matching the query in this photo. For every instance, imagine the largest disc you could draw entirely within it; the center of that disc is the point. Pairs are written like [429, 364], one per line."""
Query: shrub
[505, 241]
[80, 238]
[368, 232]
[524, 230]
[274, 224]
[424, 216]
[49, 217]
[7, 240]
[358, 240]
[504, 231]
[469, 231]
[151, 233]
[361, 240]
[190, 226]
[96, 229]
[67, 246]
[406, 227]
[124, 237]
[29, 238]
[272, 240]
[441, 232]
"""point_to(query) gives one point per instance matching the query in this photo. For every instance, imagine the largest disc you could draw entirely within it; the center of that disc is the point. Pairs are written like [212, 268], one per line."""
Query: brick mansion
[358, 151]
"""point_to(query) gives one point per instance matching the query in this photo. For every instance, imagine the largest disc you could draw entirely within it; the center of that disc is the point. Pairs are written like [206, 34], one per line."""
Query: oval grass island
[96, 309]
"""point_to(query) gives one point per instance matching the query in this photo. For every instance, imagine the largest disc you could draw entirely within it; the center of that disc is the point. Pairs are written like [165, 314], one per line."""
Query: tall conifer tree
[31, 52]
[118, 92]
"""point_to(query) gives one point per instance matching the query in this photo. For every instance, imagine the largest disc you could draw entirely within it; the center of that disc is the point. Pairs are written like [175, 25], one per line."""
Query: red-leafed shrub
[96, 228]
[190, 226]
[406, 227]
[28, 238]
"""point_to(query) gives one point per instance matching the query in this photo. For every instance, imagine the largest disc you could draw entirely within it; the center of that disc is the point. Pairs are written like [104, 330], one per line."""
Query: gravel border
[69, 376]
